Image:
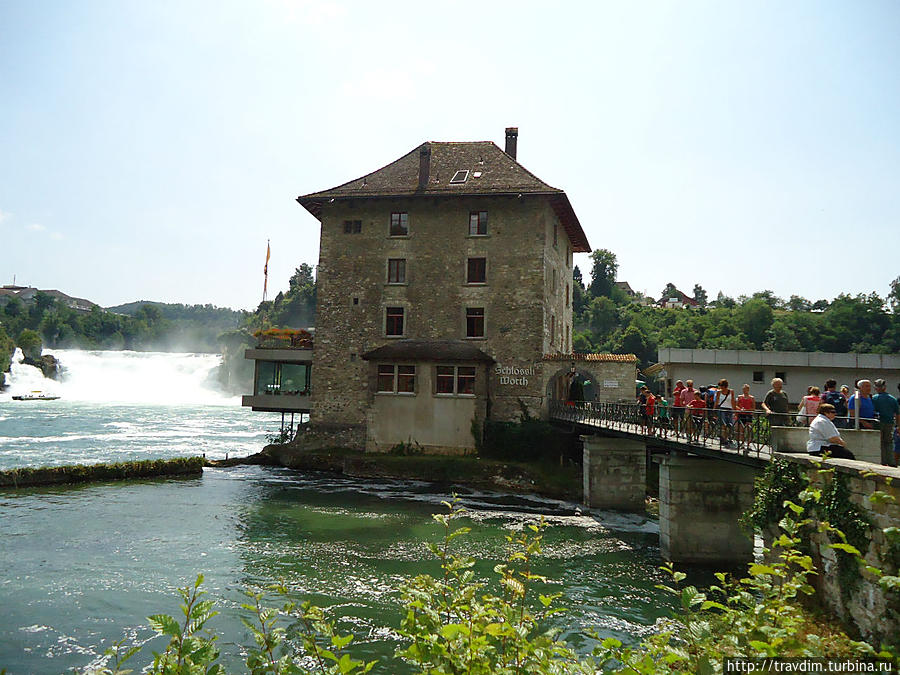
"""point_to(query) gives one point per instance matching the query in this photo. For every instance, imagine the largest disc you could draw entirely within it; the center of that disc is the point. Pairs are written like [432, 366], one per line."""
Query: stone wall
[872, 610]
[518, 298]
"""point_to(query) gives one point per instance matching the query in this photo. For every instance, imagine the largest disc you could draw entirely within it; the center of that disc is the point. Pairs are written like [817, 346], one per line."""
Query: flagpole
[266, 270]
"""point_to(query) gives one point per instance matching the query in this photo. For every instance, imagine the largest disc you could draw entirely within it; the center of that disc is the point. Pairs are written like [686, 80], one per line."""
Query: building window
[386, 379]
[474, 322]
[406, 379]
[458, 380]
[465, 380]
[552, 330]
[282, 379]
[553, 286]
[396, 379]
[478, 222]
[782, 375]
[567, 295]
[352, 226]
[757, 376]
[444, 379]
[476, 271]
[396, 270]
[393, 324]
[555, 234]
[399, 224]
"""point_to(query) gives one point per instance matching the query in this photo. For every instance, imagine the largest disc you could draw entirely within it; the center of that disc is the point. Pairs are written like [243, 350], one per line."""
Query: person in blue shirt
[888, 412]
[863, 398]
[896, 446]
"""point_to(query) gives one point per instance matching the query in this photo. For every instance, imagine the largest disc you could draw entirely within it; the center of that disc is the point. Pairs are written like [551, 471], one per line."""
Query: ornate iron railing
[737, 431]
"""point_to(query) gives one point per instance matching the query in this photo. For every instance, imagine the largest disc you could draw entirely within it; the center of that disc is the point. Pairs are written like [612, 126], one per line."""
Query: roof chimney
[424, 165]
[512, 135]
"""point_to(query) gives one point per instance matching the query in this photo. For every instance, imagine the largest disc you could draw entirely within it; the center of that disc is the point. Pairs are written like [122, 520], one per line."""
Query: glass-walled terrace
[282, 379]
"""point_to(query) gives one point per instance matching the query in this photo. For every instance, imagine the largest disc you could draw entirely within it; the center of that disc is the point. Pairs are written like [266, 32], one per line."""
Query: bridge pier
[700, 502]
[615, 473]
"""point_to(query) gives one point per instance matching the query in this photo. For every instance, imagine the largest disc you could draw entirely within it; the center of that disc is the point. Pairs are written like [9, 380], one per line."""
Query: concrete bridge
[707, 470]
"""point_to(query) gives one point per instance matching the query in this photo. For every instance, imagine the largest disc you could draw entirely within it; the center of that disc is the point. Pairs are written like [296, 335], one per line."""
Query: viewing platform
[283, 364]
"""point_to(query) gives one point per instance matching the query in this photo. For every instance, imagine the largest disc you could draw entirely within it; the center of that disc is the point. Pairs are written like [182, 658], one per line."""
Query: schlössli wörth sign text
[513, 375]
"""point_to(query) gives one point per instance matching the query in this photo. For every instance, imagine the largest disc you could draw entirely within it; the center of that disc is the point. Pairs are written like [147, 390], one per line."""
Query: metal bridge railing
[746, 431]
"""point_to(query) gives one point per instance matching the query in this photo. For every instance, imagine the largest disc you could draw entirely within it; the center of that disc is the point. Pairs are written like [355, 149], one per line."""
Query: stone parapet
[864, 604]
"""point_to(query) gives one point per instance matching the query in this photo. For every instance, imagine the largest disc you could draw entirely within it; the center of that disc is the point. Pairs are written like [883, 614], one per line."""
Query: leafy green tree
[700, 295]
[797, 303]
[582, 343]
[603, 273]
[769, 298]
[754, 318]
[781, 338]
[634, 341]
[602, 317]
[683, 334]
[820, 305]
[894, 296]
[723, 300]
[30, 344]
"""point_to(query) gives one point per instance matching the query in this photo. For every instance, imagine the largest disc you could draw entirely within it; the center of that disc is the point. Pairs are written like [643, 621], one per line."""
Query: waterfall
[156, 378]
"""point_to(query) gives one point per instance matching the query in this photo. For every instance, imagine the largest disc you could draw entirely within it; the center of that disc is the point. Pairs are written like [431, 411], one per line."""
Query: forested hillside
[606, 319]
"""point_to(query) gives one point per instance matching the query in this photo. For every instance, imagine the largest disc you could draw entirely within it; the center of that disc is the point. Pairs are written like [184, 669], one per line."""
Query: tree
[769, 298]
[894, 296]
[670, 291]
[700, 295]
[797, 303]
[301, 278]
[602, 317]
[820, 305]
[603, 273]
[30, 344]
[576, 276]
[754, 318]
[781, 338]
[723, 300]
[634, 341]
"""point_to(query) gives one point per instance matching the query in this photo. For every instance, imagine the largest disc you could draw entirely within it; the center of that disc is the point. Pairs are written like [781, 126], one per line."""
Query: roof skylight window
[459, 177]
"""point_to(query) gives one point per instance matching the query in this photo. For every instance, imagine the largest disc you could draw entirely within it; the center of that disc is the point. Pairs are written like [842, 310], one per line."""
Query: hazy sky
[149, 149]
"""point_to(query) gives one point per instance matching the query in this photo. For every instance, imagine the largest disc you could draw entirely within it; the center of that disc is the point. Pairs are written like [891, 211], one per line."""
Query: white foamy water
[124, 377]
[117, 406]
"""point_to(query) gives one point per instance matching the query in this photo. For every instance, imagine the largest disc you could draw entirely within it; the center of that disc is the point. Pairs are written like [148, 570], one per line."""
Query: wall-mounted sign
[611, 384]
[513, 375]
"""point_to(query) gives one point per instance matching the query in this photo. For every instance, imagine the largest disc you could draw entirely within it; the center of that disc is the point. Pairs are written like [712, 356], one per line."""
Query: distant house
[677, 300]
[27, 294]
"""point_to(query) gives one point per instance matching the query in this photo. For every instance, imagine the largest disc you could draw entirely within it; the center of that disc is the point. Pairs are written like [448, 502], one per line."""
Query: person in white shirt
[824, 436]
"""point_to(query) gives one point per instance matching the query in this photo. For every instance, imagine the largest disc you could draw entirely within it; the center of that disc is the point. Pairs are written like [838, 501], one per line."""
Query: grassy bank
[81, 473]
[545, 478]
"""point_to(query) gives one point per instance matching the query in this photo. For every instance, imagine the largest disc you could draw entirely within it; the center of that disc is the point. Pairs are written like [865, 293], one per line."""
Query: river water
[83, 566]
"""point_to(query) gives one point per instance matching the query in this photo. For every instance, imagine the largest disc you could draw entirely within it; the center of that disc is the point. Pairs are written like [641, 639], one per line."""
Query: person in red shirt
[746, 404]
[648, 405]
[677, 404]
[697, 417]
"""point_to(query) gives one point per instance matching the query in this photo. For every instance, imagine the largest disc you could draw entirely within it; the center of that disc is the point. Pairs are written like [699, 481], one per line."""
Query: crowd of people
[697, 411]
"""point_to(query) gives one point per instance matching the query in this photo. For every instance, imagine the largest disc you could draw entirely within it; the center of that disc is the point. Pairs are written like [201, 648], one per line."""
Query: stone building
[444, 298]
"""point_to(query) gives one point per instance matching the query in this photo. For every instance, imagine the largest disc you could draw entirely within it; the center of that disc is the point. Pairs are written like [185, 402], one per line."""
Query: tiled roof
[608, 358]
[428, 350]
[490, 172]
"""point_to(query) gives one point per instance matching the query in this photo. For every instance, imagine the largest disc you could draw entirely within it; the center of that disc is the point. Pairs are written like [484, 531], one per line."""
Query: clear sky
[149, 149]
